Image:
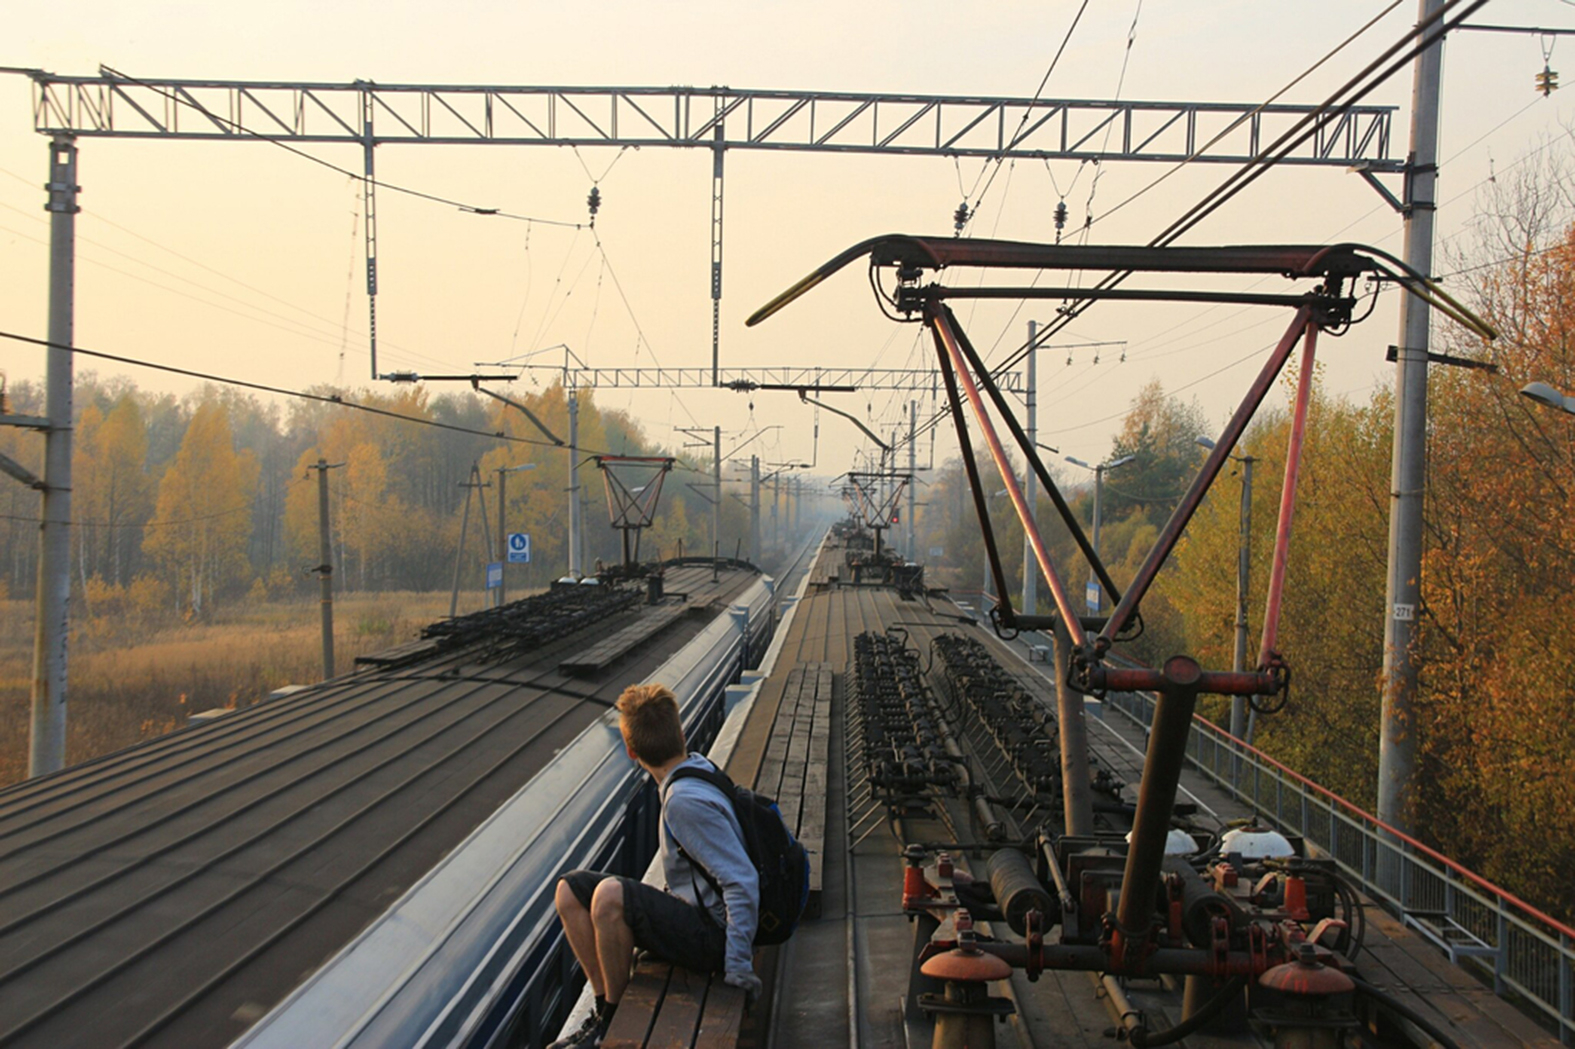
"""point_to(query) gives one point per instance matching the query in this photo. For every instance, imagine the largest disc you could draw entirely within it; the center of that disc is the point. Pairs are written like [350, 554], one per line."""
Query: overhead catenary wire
[1425, 34]
[332, 327]
[298, 328]
[1265, 104]
[1027, 112]
[335, 399]
[1146, 350]
[1099, 169]
[151, 522]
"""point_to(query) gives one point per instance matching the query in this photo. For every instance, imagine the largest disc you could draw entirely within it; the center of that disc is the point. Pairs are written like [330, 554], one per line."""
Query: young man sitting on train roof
[692, 924]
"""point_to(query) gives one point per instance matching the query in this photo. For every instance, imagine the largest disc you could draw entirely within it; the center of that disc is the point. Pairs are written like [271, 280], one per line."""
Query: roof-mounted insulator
[960, 217]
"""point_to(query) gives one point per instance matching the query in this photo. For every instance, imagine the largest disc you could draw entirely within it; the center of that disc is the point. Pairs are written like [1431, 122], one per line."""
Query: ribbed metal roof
[173, 892]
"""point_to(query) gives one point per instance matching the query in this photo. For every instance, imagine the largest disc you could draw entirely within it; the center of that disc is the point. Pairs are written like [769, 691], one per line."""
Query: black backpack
[781, 862]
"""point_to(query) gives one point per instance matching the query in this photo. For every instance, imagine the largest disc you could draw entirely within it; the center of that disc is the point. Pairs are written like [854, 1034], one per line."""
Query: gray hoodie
[702, 820]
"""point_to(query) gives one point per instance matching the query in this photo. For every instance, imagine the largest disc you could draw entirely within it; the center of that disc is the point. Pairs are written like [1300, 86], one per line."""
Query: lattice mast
[632, 509]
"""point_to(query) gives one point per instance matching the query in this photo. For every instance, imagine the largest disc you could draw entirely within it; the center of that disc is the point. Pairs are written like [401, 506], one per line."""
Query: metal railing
[1529, 955]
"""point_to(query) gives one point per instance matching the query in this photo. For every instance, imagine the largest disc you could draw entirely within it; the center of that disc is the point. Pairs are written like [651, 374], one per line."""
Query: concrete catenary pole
[754, 509]
[776, 509]
[913, 440]
[716, 490]
[470, 484]
[1397, 746]
[47, 751]
[325, 567]
[503, 536]
[574, 483]
[1031, 479]
[1099, 492]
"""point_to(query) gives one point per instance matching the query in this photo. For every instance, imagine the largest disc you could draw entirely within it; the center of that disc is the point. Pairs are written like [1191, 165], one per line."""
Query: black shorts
[681, 932]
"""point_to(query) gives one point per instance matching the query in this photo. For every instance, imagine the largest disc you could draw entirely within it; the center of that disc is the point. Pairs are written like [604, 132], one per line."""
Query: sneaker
[586, 1036]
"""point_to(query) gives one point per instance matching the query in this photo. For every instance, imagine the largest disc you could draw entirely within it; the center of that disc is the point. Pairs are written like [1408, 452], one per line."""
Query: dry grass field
[128, 684]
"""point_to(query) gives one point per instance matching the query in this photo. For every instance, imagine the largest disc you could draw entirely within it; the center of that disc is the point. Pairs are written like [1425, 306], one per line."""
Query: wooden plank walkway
[793, 770]
[666, 1007]
[401, 655]
[613, 647]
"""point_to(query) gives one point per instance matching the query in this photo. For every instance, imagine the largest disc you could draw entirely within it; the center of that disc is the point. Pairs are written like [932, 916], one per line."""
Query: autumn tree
[1328, 729]
[202, 519]
[1160, 433]
[1498, 690]
[112, 494]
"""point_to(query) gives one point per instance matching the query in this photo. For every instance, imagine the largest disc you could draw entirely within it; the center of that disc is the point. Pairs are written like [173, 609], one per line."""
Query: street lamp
[1238, 705]
[1095, 594]
[1542, 393]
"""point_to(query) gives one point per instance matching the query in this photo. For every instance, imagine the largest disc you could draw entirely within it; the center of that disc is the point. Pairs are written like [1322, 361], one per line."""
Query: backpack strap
[718, 779]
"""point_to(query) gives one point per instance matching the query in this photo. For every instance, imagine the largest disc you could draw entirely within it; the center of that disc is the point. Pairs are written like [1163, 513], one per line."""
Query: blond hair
[648, 718]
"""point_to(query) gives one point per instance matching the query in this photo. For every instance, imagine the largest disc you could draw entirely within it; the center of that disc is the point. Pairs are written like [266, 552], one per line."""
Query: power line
[1075, 310]
[152, 522]
[402, 351]
[1027, 112]
[336, 399]
[1425, 34]
[1248, 116]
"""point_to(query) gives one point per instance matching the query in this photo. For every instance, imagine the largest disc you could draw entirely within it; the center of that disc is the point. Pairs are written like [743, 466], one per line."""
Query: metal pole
[1077, 802]
[754, 509]
[325, 567]
[47, 751]
[984, 586]
[1162, 763]
[1397, 740]
[470, 485]
[776, 509]
[717, 154]
[913, 429]
[486, 532]
[503, 538]
[716, 490]
[1031, 481]
[1238, 704]
[574, 482]
[1099, 488]
[369, 194]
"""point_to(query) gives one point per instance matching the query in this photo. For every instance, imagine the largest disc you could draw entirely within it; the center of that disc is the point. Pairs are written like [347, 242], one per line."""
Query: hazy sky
[271, 289]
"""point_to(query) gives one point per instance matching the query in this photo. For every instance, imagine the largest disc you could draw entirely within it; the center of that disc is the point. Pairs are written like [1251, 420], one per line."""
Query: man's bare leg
[614, 938]
[578, 928]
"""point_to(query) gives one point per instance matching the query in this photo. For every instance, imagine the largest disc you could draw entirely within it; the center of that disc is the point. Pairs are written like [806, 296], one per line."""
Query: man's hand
[748, 982]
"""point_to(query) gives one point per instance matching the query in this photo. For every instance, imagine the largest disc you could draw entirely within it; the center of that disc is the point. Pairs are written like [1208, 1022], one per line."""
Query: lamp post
[1239, 725]
[1542, 393]
[503, 535]
[1099, 487]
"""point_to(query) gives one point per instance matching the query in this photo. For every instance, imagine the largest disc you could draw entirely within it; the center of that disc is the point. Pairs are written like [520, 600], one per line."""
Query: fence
[1529, 955]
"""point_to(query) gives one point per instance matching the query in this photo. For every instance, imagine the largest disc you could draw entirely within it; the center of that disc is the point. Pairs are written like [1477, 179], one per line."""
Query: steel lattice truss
[369, 114]
[747, 379]
[878, 495]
